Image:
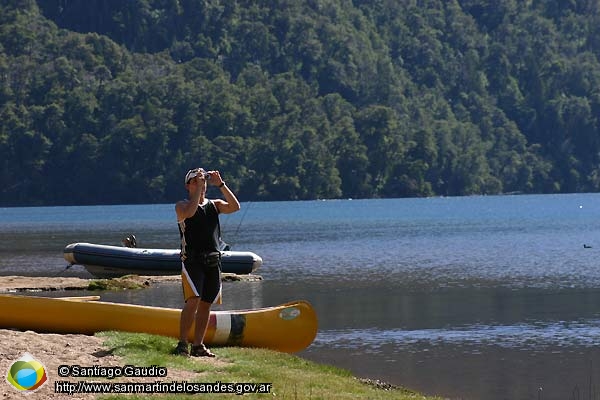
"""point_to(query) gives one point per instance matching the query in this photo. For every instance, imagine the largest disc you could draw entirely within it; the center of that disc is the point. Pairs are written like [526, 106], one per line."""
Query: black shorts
[201, 277]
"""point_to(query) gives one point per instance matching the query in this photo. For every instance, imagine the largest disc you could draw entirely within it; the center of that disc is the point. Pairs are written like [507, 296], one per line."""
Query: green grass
[291, 377]
[121, 283]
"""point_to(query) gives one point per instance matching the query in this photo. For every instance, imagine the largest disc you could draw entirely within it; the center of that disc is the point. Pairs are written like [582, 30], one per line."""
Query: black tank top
[201, 233]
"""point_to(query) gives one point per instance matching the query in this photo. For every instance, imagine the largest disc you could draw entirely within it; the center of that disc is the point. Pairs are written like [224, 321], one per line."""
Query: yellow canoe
[289, 327]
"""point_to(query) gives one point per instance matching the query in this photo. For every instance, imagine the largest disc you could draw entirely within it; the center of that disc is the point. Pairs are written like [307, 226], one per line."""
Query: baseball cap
[192, 173]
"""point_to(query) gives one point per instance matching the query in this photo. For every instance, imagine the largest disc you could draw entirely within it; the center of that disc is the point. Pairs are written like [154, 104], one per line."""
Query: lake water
[494, 297]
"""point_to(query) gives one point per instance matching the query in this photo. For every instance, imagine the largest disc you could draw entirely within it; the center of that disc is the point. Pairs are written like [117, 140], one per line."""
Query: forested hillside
[108, 101]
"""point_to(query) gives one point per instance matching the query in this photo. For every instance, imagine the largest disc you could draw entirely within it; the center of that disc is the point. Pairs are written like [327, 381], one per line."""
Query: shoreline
[18, 283]
[94, 353]
[56, 349]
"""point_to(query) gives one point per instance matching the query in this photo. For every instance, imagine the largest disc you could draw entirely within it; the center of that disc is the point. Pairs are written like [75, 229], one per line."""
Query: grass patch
[291, 377]
[122, 283]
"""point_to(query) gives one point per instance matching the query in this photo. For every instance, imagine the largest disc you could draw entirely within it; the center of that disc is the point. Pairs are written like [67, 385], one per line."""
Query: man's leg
[202, 316]
[188, 315]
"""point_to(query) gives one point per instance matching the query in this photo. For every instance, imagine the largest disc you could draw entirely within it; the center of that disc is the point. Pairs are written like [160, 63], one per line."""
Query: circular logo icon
[27, 374]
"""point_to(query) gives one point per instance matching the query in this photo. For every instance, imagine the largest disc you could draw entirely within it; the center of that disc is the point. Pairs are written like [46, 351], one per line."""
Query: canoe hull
[104, 261]
[289, 327]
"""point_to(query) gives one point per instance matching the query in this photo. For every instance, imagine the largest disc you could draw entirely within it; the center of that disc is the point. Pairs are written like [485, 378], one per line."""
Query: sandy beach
[12, 284]
[53, 350]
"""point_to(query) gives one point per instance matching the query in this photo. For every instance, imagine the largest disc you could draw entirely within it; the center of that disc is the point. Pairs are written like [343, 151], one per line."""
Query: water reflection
[538, 337]
[236, 295]
[476, 372]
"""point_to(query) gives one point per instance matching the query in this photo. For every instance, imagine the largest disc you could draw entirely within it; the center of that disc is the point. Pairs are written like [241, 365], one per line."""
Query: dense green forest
[109, 101]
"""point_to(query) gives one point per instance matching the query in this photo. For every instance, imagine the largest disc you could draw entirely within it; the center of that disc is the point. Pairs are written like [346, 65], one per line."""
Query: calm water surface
[468, 298]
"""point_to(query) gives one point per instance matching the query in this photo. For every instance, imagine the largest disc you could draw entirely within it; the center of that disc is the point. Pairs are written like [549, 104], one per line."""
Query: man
[198, 219]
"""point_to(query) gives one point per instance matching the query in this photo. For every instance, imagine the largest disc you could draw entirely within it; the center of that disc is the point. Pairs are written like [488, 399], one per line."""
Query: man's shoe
[201, 351]
[182, 349]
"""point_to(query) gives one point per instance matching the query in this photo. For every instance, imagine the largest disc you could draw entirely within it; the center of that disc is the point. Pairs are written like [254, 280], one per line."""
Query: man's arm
[231, 203]
[187, 208]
